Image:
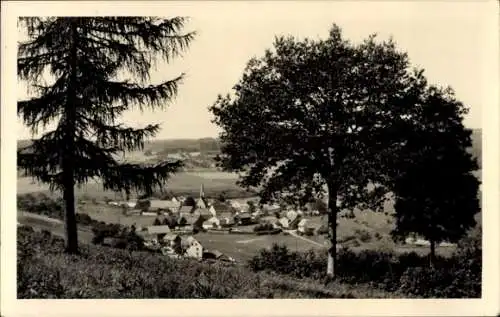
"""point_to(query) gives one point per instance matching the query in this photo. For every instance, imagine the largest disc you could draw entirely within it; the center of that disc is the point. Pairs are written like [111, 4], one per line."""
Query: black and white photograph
[250, 150]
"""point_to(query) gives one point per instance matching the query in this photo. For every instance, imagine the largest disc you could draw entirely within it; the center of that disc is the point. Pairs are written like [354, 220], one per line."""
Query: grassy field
[181, 183]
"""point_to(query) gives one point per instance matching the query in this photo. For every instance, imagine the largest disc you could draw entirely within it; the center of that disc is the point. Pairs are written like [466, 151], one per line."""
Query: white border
[487, 306]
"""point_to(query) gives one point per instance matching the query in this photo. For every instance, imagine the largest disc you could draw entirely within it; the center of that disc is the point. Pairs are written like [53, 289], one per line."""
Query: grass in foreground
[101, 272]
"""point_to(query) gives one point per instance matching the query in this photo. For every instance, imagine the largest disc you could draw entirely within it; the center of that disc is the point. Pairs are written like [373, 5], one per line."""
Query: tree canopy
[319, 116]
[99, 68]
[436, 193]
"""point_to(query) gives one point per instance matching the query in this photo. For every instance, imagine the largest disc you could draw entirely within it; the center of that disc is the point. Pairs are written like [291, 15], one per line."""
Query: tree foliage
[106, 47]
[99, 68]
[436, 193]
[317, 116]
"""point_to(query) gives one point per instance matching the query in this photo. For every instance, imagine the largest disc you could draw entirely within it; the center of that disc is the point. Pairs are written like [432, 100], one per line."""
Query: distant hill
[213, 145]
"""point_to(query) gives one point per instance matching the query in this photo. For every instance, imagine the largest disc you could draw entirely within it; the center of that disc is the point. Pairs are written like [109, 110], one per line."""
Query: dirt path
[294, 234]
[56, 226]
[250, 240]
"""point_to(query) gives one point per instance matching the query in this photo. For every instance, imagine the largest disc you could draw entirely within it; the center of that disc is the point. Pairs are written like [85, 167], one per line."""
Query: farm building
[156, 204]
[173, 241]
[157, 232]
[186, 209]
[191, 219]
[293, 219]
[226, 219]
[305, 227]
[192, 247]
[284, 222]
[204, 213]
[221, 207]
[243, 218]
[268, 219]
[236, 205]
[271, 208]
[213, 222]
[143, 204]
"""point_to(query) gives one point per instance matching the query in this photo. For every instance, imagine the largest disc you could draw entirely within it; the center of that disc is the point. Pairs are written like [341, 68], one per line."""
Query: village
[179, 219]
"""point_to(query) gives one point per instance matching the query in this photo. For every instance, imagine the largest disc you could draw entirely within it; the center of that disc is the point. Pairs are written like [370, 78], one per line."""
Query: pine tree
[86, 58]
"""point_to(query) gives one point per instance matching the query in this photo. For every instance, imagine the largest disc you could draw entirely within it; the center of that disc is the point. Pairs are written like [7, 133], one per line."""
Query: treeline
[212, 145]
[183, 145]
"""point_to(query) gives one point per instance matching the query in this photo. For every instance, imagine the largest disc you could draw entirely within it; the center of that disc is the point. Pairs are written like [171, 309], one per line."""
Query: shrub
[263, 227]
[102, 272]
[407, 273]
[363, 235]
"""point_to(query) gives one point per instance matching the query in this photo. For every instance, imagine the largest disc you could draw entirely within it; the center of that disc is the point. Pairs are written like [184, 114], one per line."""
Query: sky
[445, 38]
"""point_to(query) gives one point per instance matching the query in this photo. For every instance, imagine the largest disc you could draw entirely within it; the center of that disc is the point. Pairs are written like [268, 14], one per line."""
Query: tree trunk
[332, 231]
[432, 255]
[68, 155]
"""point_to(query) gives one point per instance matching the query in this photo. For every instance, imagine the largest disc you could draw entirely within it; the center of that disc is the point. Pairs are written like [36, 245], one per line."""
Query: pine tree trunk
[432, 255]
[68, 160]
[332, 231]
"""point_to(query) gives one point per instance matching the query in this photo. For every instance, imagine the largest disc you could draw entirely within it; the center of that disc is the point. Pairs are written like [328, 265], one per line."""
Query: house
[268, 219]
[193, 219]
[143, 204]
[192, 247]
[173, 241]
[243, 218]
[155, 231]
[226, 219]
[222, 207]
[236, 205]
[156, 204]
[284, 222]
[271, 208]
[185, 209]
[213, 222]
[171, 220]
[204, 213]
[128, 204]
[212, 211]
[293, 218]
[305, 227]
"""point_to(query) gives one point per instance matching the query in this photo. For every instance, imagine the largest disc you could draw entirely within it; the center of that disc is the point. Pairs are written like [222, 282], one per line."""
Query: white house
[304, 226]
[212, 211]
[211, 223]
[284, 222]
[193, 248]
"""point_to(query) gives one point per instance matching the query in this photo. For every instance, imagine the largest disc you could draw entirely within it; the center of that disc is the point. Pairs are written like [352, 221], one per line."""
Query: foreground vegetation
[126, 271]
[102, 272]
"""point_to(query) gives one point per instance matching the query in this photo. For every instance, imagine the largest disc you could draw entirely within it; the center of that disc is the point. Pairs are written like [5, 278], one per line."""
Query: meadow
[183, 183]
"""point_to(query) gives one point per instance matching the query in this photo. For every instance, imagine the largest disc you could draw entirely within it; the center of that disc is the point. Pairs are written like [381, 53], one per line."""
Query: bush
[84, 219]
[102, 272]
[263, 227]
[459, 276]
[363, 235]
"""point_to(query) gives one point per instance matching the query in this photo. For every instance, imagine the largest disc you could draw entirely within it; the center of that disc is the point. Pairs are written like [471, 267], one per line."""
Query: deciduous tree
[318, 116]
[99, 67]
[436, 193]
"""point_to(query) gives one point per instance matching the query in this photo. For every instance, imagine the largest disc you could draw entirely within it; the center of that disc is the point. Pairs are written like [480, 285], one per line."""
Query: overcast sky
[445, 38]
